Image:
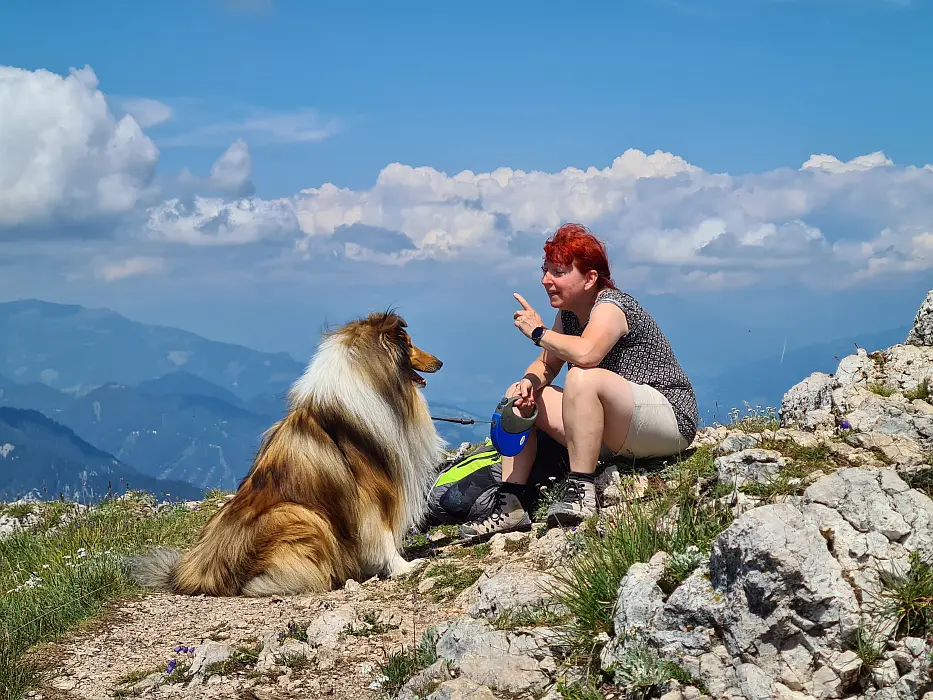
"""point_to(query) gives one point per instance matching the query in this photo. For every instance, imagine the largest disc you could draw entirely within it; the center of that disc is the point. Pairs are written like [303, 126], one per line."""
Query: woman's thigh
[613, 393]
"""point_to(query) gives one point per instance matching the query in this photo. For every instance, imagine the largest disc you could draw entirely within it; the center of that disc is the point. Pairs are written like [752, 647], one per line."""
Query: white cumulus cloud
[64, 157]
[861, 218]
[130, 267]
[210, 221]
[147, 112]
[231, 171]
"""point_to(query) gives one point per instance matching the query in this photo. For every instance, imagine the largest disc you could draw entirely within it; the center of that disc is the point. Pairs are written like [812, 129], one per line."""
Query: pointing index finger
[525, 304]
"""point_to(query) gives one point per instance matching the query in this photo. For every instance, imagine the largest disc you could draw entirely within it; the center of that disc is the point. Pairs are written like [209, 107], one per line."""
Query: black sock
[579, 476]
[517, 490]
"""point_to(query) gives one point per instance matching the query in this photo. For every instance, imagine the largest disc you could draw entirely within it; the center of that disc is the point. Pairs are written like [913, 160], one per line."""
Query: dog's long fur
[335, 484]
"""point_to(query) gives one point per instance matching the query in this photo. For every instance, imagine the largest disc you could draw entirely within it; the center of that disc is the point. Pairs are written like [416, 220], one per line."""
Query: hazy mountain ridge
[74, 348]
[39, 455]
[763, 382]
[180, 424]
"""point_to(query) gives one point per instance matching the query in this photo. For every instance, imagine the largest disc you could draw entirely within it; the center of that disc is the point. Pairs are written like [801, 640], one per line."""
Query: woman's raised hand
[526, 318]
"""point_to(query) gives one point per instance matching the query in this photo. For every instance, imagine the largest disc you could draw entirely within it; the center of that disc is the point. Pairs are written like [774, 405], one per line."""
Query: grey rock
[808, 404]
[502, 661]
[786, 601]
[737, 443]
[639, 597]
[461, 689]
[210, 652]
[509, 589]
[922, 331]
[855, 369]
[419, 685]
[150, 681]
[753, 465]
[325, 629]
[885, 674]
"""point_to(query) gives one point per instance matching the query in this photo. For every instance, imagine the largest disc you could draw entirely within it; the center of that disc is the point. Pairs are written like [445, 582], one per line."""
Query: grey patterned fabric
[644, 356]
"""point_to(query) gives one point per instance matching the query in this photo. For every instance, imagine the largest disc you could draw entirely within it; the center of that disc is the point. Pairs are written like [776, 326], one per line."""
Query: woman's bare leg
[597, 408]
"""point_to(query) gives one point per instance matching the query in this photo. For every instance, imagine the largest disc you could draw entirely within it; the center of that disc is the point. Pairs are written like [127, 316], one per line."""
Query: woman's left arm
[606, 325]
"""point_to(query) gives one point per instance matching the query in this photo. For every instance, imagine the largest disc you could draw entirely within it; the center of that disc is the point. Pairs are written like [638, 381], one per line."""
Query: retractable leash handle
[509, 431]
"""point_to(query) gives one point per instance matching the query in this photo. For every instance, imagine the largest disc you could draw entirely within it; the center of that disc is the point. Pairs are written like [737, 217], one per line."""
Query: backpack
[466, 490]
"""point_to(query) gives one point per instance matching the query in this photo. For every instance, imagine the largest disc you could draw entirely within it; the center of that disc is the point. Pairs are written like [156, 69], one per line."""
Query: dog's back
[289, 528]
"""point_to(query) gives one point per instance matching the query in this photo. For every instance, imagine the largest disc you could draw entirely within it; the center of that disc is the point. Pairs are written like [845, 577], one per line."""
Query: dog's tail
[155, 570]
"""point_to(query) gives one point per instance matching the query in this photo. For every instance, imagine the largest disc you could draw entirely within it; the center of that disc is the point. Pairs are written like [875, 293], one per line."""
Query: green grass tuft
[587, 586]
[922, 391]
[908, 598]
[880, 389]
[19, 511]
[401, 665]
[452, 578]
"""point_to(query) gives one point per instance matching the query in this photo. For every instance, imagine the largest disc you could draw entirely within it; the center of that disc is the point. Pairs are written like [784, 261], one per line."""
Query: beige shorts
[654, 431]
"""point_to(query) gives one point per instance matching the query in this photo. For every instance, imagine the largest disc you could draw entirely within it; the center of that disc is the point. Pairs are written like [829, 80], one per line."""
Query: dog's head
[387, 332]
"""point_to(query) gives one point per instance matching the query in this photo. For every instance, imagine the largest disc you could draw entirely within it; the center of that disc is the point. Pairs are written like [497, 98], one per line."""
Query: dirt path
[139, 638]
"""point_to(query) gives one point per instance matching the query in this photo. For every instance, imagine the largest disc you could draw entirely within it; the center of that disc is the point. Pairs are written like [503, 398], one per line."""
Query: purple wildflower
[171, 666]
[845, 425]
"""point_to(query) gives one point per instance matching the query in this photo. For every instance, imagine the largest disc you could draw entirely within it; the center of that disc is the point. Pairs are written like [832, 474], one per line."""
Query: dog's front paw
[402, 567]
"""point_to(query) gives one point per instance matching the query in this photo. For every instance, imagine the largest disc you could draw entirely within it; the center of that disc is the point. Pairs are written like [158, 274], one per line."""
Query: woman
[625, 392]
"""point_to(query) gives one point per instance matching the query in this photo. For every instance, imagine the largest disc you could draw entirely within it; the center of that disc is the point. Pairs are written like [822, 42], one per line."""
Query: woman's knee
[581, 381]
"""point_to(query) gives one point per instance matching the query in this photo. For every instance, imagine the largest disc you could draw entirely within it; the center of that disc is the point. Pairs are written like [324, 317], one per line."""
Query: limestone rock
[509, 589]
[737, 443]
[416, 686]
[209, 653]
[502, 661]
[754, 465]
[461, 689]
[922, 332]
[772, 612]
[329, 625]
[809, 403]
[640, 598]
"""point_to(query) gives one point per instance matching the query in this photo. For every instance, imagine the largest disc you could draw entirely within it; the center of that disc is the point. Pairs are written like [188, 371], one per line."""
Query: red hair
[573, 244]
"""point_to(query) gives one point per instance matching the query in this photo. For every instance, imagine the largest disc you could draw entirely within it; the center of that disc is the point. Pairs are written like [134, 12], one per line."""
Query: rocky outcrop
[881, 402]
[775, 611]
[922, 332]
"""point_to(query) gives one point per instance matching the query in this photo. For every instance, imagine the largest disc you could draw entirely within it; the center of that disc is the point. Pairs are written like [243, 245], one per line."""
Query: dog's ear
[392, 324]
[392, 333]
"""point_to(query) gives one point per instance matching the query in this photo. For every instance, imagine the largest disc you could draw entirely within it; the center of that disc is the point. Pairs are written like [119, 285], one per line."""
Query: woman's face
[565, 284]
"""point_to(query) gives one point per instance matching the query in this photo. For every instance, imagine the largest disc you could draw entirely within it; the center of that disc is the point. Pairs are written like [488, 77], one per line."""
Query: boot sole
[564, 520]
[477, 539]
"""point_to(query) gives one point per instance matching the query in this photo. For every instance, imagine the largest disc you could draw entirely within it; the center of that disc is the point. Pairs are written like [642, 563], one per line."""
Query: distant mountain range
[178, 413]
[42, 457]
[160, 405]
[73, 349]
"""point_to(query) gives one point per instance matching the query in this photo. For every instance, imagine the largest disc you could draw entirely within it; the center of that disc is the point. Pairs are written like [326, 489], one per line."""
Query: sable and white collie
[335, 484]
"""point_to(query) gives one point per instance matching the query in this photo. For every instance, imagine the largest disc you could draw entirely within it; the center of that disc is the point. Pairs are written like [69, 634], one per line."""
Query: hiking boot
[508, 515]
[577, 503]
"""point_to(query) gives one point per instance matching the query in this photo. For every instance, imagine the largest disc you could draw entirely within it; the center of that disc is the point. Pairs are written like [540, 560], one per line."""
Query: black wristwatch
[536, 335]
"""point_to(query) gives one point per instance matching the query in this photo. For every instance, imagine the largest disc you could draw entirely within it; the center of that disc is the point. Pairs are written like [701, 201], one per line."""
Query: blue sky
[248, 169]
